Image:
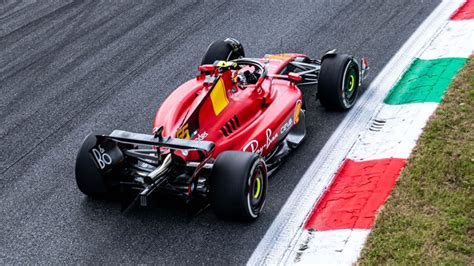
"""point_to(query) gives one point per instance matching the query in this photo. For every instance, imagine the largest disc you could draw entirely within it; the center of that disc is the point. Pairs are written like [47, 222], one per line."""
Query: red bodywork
[253, 119]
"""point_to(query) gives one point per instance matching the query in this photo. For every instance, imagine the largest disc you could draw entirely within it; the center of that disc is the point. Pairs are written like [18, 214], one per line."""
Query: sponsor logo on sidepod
[254, 145]
[286, 126]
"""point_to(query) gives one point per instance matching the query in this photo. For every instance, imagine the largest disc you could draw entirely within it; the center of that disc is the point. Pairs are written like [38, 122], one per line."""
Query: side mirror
[207, 68]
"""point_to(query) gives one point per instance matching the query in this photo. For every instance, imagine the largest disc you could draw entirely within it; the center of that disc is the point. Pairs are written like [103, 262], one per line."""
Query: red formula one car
[220, 135]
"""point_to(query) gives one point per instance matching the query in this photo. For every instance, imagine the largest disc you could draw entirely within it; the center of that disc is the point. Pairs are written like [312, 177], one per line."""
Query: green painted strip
[425, 81]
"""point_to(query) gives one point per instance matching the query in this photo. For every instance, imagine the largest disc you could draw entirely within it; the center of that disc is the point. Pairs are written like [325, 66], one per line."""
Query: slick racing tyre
[94, 163]
[226, 50]
[338, 84]
[238, 186]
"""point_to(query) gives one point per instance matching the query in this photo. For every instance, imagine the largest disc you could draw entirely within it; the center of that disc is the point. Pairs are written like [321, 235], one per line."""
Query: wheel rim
[257, 190]
[349, 90]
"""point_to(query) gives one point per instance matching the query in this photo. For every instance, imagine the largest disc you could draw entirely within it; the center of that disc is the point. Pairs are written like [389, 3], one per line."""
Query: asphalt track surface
[68, 68]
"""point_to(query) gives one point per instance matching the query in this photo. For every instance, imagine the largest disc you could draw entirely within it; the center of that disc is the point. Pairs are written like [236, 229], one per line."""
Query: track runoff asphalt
[70, 68]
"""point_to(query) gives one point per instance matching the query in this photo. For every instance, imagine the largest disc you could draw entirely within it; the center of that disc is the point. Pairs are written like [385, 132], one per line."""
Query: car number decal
[183, 132]
[101, 157]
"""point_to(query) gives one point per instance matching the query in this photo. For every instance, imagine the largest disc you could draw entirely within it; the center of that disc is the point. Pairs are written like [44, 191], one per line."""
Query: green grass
[429, 216]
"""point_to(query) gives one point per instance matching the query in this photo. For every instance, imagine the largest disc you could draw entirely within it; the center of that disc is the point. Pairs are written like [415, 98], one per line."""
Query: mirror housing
[207, 68]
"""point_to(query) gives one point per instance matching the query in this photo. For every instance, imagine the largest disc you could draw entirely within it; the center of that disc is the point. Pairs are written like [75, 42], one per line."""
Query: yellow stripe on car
[297, 112]
[226, 64]
[219, 97]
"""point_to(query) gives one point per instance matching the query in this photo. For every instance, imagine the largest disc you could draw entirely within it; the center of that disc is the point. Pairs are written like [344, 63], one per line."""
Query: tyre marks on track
[94, 81]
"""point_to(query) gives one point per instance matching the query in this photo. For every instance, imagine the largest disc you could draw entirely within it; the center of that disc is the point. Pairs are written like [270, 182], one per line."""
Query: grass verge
[429, 216]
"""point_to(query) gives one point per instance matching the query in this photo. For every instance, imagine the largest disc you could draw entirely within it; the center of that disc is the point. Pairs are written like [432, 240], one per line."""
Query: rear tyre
[90, 180]
[238, 186]
[338, 84]
[222, 50]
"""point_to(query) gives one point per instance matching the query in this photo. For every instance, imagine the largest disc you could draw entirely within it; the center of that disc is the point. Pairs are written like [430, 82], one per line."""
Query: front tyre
[338, 84]
[238, 186]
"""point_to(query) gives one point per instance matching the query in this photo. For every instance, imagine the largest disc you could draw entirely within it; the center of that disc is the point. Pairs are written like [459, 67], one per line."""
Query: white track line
[279, 240]
[456, 40]
[330, 247]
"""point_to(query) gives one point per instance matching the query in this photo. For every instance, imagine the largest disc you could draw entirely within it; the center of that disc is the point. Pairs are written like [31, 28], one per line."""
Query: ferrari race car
[220, 135]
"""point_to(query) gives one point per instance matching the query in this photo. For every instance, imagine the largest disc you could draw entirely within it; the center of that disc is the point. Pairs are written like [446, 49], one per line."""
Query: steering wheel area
[250, 71]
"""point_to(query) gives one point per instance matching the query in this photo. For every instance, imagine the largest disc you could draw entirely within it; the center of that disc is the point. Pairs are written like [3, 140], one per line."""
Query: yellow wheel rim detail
[351, 83]
[258, 185]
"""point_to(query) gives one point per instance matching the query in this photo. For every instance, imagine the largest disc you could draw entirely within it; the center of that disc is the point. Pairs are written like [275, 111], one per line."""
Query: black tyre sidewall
[230, 180]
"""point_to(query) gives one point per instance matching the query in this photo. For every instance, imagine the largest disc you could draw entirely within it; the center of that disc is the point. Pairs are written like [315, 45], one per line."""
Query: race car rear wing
[155, 176]
[154, 140]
